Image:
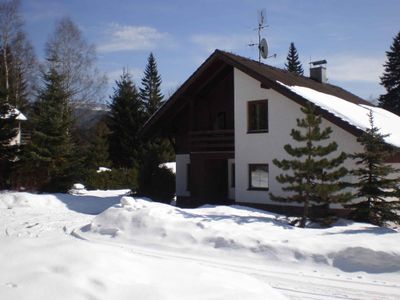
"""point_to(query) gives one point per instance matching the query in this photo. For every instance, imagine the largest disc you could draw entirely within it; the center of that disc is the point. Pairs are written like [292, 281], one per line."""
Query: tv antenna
[262, 42]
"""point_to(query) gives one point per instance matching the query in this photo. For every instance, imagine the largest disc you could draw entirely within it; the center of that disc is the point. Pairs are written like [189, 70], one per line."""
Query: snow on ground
[352, 113]
[104, 245]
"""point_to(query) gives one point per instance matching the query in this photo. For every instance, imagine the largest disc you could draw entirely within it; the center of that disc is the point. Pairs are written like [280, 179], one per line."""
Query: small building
[19, 116]
[233, 116]
[18, 140]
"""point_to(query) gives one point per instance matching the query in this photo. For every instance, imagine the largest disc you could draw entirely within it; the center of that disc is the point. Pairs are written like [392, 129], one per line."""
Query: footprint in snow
[11, 285]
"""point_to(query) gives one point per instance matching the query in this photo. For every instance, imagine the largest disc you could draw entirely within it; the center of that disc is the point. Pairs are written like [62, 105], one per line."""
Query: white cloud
[210, 42]
[355, 68]
[125, 37]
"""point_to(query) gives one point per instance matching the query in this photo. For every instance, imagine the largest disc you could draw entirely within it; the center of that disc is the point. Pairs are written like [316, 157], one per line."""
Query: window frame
[233, 175]
[250, 169]
[255, 102]
[188, 177]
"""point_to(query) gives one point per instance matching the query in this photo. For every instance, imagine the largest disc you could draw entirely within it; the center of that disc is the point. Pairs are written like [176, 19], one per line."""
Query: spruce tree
[8, 132]
[157, 149]
[376, 183]
[49, 158]
[150, 92]
[391, 78]
[98, 155]
[311, 178]
[125, 120]
[293, 64]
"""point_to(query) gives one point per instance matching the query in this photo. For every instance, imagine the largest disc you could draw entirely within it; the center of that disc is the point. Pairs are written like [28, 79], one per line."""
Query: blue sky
[352, 35]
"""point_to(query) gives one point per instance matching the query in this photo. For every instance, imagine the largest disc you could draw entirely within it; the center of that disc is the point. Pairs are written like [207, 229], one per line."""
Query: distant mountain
[86, 116]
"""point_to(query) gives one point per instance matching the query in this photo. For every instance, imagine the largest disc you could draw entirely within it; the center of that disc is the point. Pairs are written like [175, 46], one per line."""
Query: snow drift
[350, 247]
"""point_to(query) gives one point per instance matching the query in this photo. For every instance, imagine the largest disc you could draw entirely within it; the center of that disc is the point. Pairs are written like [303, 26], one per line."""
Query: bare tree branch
[75, 59]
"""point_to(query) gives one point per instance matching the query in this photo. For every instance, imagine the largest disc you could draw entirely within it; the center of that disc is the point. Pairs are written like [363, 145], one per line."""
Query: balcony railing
[212, 140]
[25, 137]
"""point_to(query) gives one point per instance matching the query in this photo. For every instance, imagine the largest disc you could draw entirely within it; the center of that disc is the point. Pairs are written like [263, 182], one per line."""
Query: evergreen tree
[126, 119]
[311, 177]
[293, 64]
[156, 150]
[98, 155]
[391, 78]
[8, 131]
[375, 183]
[49, 156]
[150, 93]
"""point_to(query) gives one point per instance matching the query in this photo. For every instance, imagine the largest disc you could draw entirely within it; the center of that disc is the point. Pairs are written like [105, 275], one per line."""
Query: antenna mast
[261, 16]
[262, 42]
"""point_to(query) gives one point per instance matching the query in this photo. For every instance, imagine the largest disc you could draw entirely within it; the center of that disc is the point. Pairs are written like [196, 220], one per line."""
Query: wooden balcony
[25, 137]
[212, 140]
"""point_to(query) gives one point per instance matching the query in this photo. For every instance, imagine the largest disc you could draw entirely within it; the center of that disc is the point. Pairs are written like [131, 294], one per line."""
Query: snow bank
[66, 268]
[87, 202]
[14, 200]
[351, 247]
[103, 169]
[354, 114]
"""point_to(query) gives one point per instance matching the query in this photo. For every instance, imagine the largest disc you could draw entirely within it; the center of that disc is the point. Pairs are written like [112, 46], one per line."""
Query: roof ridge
[297, 76]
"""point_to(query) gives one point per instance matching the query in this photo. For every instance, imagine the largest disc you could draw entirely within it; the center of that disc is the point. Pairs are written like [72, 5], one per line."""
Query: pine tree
[8, 131]
[293, 64]
[150, 93]
[391, 78]
[49, 156]
[310, 176]
[375, 183]
[126, 119]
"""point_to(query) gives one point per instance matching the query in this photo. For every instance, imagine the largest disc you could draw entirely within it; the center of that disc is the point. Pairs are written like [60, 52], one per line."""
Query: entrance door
[216, 181]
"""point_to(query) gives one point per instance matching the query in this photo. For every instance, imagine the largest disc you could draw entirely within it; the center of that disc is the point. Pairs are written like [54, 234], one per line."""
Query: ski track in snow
[294, 284]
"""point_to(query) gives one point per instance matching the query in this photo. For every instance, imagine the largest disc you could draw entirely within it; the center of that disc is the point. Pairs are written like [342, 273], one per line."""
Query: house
[233, 116]
[19, 138]
[19, 116]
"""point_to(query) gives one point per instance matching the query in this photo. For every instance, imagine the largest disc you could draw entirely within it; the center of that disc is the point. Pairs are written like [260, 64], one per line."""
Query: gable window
[258, 177]
[257, 116]
[220, 121]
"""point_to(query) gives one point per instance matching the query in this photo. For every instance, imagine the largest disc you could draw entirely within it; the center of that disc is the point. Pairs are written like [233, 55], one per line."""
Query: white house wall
[17, 139]
[182, 160]
[264, 147]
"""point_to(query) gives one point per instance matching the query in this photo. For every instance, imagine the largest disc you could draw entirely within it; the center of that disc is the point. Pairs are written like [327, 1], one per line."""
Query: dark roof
[268, 76]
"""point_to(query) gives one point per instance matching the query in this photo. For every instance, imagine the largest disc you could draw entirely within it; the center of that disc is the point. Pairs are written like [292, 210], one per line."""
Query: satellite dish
[263, 48]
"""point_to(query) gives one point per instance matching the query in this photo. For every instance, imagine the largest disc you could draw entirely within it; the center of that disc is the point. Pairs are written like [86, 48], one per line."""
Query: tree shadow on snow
[238, 219]
[91, 205]
[370, 230]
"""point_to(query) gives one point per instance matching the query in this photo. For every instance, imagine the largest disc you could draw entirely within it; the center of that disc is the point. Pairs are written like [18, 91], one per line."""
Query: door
[216, 181]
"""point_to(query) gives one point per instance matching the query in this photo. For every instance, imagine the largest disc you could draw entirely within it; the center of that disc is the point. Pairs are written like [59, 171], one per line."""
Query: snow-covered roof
[15, 111]
[353, 113]
[20, 115]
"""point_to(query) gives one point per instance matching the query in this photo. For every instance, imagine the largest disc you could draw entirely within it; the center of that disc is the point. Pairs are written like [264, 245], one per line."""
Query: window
[258, 177]
[188, 180]
[220, 121]
[232, 175]
[257, 116]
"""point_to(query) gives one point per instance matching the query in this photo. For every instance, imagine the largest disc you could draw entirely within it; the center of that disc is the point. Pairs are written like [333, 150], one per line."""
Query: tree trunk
[6, 72]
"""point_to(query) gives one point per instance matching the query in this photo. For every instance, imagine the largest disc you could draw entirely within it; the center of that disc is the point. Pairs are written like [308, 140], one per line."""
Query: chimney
[318, 71]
